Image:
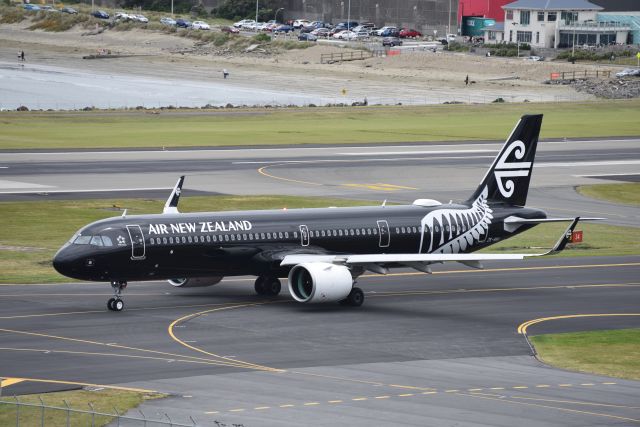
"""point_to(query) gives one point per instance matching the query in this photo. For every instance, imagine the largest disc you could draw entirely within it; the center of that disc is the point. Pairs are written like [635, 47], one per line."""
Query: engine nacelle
[316, 282]
[195, 282]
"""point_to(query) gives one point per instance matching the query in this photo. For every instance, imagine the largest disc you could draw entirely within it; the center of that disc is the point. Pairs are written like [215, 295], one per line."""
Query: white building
[556, 23]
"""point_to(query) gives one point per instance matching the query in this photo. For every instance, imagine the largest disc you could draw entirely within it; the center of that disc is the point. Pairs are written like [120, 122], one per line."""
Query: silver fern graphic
[455, 230]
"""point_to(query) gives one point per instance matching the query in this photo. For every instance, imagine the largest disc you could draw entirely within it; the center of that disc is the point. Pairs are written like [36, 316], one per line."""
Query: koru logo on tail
[505, 170]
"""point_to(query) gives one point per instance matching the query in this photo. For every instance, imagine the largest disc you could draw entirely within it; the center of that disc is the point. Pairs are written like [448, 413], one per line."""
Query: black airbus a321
[323, 251]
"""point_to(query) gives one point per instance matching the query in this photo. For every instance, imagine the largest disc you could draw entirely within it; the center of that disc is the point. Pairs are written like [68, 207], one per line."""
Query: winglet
[564, 239]
[171, 207]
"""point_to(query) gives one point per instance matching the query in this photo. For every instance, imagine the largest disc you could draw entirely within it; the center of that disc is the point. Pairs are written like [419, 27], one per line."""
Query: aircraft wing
[378, 262]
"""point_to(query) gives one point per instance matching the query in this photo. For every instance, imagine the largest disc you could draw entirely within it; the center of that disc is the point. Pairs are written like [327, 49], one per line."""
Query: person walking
[21, 55]
[466, 80]
[225, 73]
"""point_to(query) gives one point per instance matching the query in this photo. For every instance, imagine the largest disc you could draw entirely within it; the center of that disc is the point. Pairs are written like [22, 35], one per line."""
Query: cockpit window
[82, 240]
[93, 240]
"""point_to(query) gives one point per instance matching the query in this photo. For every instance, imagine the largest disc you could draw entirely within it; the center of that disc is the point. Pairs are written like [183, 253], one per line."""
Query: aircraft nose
[63, 262]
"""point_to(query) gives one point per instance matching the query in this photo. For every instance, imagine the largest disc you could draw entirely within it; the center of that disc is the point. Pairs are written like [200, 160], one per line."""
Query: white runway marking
[105, 190]
[581, 164]
[17, 184]
[393, 153]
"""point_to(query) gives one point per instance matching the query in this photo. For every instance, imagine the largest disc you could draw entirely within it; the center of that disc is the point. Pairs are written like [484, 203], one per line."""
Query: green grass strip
[173, 128]
[102, 400]
[628, 193]
[615, 353]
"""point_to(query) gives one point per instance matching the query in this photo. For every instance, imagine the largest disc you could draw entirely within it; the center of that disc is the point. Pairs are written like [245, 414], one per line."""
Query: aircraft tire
[356, 297]
[118, 305]
[259, 285]
[110, 304]
[273, 287]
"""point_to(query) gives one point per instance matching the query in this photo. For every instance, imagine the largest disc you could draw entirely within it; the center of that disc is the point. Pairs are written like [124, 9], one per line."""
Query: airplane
[321, 251]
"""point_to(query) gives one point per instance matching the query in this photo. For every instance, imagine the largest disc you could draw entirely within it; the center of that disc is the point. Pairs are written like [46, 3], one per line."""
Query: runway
[397, 173]
[423, 350]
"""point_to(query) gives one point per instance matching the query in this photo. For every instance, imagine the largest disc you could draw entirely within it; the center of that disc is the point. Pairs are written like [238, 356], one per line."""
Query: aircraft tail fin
[507, 180]
[171, 206]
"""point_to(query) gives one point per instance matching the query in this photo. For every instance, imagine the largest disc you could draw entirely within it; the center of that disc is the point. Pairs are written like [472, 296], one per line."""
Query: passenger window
[233, 237]
[404, 230]
[375, 231]
[214, 238]
[447, 228]
[280, 235]
[322, 233]
[244, 237]
[164, 240]
[397, 230]
[415, 230]
[351, 232]
[286, 234]
[226, 237]
[152, 241]
[339, 232]
[295, 234]
[362, 231]
[269, 236]
[189, 239]
[357, 231]
[208, 238]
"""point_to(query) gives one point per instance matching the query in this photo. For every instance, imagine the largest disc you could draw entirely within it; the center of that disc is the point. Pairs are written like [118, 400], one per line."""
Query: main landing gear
[116, 303]
[268, 286]
[355, 298]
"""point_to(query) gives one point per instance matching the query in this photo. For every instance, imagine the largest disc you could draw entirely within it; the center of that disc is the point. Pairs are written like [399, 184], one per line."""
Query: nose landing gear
[116, 303]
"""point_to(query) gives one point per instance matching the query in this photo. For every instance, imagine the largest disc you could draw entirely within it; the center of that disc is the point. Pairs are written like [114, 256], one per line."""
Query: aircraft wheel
[110, 304]
[356, 297]
[273, 287]
[118, 305]
[259, 285]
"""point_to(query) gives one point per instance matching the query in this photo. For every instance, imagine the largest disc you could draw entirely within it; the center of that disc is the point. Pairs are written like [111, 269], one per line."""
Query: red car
[407, 33]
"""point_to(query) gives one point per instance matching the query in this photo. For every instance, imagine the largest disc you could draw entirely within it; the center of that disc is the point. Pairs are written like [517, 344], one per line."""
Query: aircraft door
[137, 242]
[385, 236]
[304, 235]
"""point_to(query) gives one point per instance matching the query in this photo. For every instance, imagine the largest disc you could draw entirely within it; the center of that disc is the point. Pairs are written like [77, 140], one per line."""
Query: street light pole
[171, 7]
[349, 16]
[449, 25]
[573, 45]
[275, 17]
[256, 13]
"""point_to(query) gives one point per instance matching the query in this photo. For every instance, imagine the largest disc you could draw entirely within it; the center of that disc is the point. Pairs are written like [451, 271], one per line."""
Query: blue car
[283, 28]
[31, 7]
[100, 14]
[183, 23]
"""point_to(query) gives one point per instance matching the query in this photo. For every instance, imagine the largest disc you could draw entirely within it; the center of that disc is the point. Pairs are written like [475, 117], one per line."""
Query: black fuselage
[169, 246]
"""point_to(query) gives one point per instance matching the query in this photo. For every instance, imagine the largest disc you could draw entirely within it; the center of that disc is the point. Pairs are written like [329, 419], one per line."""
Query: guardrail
[574, 75]
[330, 58]
[41, 415]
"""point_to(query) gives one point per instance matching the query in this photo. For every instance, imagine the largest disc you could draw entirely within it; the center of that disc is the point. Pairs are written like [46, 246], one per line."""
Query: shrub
[11, 15]
[261, 38]
[57, 21]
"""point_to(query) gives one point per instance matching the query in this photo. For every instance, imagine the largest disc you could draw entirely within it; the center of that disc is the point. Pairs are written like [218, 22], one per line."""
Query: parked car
[299, 23]
[410, 33]
[200, 25]
[48, 8]
[122, 16]
[69, 10]
[140, 18]
[390, 32]
[344, 35]
[167, 21]
[321, 32]
[307, 37]
[451, 37]
[628, 72]
[385, 28]
[100, 14]
[230, 30]
[391, 41]
[240, 24]
[534, 58]
[183, 23]
[346, 25]
[29, 6]
[283, 28]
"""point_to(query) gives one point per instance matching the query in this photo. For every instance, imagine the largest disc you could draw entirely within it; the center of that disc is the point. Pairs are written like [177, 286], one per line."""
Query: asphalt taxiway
[423, 350]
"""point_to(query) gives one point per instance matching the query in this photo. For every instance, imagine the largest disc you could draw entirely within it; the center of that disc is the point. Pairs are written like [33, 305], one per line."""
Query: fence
[330, 58]
[573, 75]
[23, 414]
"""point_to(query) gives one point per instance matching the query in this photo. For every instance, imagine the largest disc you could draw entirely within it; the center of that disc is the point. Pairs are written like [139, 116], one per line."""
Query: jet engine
[195, 282]
[316, 282]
